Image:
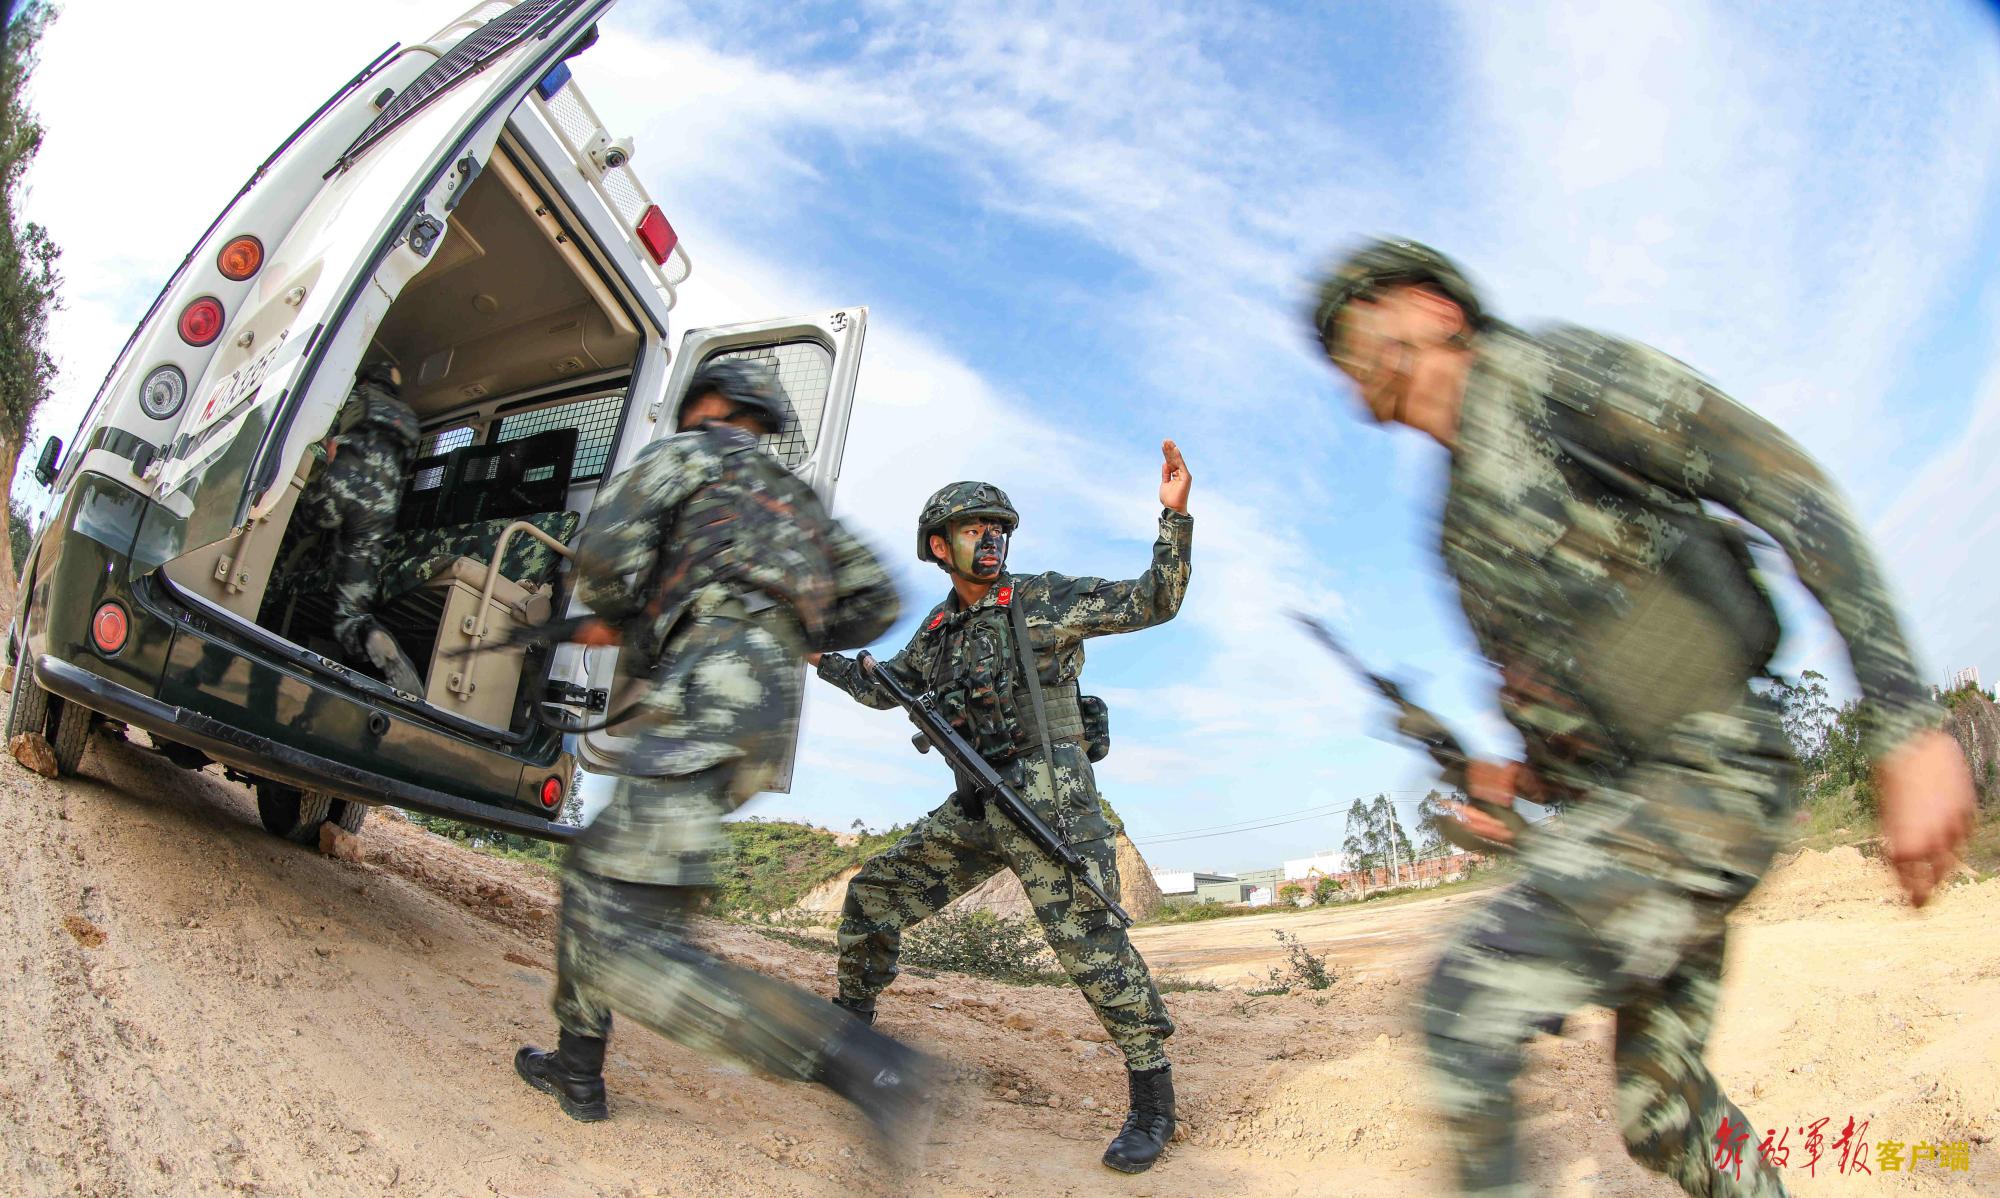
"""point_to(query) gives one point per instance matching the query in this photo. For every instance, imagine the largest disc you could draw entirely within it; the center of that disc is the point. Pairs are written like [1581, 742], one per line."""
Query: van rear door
[292, 350]
[817, 360]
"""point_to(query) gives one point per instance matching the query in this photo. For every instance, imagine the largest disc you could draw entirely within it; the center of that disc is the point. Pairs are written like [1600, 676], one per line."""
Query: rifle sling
[1034, 680]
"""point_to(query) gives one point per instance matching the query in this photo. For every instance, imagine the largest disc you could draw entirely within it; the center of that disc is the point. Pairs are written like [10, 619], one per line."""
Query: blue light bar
[553, 81]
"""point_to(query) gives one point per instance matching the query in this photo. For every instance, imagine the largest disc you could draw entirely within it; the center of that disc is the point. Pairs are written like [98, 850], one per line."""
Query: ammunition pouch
[993, 723]
[1096, 727]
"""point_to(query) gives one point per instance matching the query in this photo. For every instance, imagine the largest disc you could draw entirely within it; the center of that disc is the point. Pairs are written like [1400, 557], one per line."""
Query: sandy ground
[196, 1008]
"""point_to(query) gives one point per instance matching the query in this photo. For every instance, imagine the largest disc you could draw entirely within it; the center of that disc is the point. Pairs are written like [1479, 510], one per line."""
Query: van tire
[65, 725]
[349, 814]
[291, 813]
[71, 735]
[28, 706]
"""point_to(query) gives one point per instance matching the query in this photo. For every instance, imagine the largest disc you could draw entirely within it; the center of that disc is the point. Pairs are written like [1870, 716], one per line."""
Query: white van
[457, 210]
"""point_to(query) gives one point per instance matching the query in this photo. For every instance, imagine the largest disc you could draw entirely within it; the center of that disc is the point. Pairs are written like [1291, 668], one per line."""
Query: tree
[1430, 843]
[1808, 717]
[1376, 840]
[28, 279]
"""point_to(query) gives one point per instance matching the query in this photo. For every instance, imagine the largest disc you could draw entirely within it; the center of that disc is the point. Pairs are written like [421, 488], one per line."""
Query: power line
[1265, 823]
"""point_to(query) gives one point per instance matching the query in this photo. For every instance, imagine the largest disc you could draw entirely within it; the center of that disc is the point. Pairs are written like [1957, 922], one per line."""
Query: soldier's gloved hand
[1927, 807]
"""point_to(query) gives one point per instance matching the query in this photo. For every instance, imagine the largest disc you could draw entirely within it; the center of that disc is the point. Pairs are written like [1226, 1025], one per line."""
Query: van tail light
[201, 321]
[552, 792]
[656, 234]
[108, 628]
[240, 258]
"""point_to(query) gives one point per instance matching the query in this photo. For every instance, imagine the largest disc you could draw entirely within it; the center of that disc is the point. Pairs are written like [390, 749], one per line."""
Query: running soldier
[355, 500]
[968, 651]
[738, 570]
[1626, 624]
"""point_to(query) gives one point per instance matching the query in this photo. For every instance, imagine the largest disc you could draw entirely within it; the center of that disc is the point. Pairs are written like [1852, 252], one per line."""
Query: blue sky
[1082, 229]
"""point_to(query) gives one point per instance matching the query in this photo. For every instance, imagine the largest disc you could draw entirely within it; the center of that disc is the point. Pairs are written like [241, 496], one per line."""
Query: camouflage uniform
[968, 657]
[1592, 581]
[356, 500]
[738, 571]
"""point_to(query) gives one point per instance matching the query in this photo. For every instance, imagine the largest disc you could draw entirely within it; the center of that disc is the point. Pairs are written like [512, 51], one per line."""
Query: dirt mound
[195, 1007]
[1811, 881]
[825, 899]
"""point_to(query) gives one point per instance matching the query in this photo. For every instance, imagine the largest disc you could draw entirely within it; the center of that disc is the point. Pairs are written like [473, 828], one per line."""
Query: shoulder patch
[1004, 596]
[937, 618]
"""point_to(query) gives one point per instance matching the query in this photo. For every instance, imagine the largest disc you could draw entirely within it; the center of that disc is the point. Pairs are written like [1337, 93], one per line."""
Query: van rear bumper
[267, 758]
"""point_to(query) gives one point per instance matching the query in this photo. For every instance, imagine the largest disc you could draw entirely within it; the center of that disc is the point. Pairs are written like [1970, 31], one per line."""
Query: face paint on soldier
[978, 549]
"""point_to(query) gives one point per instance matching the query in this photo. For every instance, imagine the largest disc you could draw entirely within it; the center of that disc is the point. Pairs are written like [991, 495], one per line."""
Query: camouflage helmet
[956, 502]
[1373, 265]
[751, 386]
[381, 373]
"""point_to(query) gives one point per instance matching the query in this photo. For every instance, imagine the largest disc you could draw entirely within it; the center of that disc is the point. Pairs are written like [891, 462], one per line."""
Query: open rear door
[292, 349]
[817, 359]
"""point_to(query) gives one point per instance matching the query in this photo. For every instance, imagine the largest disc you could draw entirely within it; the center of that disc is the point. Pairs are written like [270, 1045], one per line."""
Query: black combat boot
[1150, 1125]
[574, 1073]
[892, 1084]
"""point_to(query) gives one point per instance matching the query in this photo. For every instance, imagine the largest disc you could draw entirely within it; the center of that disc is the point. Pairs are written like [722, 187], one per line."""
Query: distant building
[1319, 865]
[1173, 882]
[1969, 676]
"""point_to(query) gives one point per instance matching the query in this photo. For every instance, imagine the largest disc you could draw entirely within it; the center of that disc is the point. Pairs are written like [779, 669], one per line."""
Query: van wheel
[28, 707]
[65, 725]
[349, 814]
[290, 812]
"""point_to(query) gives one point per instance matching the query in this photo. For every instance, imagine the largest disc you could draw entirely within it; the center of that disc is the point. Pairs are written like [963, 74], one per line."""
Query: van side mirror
[45, 469]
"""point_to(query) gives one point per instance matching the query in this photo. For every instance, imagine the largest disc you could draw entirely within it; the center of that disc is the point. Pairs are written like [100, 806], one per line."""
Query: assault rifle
[972, 770]
[1426, 729]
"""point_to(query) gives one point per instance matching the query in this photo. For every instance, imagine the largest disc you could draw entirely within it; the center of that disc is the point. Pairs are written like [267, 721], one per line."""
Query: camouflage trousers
[624, 946]
[946, 854]
[1622, 904]
[710, 731]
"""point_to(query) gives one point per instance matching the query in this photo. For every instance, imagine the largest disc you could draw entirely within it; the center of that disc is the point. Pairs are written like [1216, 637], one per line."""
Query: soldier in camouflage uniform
[1626, 624]
[966, 651]
[354, 502]
[716, 570]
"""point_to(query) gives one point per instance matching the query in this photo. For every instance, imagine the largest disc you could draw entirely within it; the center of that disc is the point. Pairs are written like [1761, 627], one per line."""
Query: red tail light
[201, 321]
[108, 628]
[551, 792]
[656, 234]
[240, 258]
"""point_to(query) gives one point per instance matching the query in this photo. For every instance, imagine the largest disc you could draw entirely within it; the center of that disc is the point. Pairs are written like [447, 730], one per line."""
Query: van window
[447, 439]
[596, 423]
[805, 370]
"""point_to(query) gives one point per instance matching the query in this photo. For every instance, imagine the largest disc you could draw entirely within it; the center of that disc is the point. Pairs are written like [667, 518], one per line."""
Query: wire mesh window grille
[595, 421]
[447, 439]
[805, 373]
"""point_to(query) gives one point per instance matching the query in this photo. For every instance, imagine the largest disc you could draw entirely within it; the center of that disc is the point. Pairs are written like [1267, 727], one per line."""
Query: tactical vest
[754, 533]
[976, 674]
[1688, 640]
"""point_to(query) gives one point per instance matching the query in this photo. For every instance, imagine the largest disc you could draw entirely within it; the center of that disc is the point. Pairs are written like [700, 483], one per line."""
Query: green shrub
[1303, 969]
[1005, 948]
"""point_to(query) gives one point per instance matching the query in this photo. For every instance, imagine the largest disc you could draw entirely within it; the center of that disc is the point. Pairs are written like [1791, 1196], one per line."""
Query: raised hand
[1174, 478]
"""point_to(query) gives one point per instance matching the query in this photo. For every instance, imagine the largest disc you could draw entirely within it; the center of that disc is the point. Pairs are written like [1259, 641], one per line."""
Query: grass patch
[773, 863]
